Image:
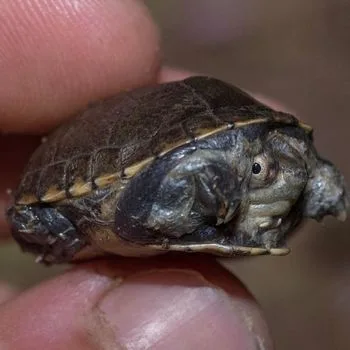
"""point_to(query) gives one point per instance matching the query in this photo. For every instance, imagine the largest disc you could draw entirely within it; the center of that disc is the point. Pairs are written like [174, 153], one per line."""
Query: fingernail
[177, 309]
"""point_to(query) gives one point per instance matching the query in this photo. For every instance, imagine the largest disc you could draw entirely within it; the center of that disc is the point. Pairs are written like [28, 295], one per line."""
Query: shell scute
[26, 192]
[175, 136]
[220, 93]
[53, 194]
[80, 187]
[202, 124]
[51, 181]
[105, 161]
[107, 179]
[77, 169]
[285, 118]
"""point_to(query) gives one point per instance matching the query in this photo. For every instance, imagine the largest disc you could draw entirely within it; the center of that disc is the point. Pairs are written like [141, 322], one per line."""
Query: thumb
[136, 304]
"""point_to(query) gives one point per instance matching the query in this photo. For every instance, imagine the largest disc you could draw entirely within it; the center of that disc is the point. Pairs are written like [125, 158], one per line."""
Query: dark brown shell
[118, 136]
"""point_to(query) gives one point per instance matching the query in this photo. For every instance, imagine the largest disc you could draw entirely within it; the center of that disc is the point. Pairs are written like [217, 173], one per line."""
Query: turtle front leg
[44, 231]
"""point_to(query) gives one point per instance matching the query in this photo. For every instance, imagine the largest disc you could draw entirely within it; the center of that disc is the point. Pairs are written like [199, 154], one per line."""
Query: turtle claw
[53, 238]
[279, 251]
[270, 222]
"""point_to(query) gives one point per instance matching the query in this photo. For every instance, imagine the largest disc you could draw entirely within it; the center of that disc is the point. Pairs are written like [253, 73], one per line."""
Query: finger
[136, 304]
[57, 56]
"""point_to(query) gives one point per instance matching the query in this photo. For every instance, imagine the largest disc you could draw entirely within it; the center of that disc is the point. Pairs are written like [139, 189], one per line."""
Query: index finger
[56, 57]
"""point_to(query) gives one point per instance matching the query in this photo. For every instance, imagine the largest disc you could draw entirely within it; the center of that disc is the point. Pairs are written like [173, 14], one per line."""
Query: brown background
[297, 53]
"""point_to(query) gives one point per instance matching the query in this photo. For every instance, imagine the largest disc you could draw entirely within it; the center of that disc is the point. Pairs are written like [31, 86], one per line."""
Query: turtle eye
[260, 171]
[256, 168]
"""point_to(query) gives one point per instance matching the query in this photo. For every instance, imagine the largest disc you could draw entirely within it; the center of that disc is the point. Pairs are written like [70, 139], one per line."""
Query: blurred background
[296, 53]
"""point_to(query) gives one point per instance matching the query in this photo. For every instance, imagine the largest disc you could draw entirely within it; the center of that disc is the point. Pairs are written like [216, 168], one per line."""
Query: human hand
[55, 57]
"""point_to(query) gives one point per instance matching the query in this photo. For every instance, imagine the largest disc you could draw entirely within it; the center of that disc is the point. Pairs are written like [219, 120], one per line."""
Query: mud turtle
[196, 166]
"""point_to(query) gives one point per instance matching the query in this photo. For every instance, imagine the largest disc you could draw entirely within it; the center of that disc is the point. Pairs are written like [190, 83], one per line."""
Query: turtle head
[325, 193]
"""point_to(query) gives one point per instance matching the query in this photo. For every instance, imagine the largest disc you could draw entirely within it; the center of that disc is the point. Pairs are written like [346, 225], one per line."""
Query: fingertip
[155, 303]
[56, 57]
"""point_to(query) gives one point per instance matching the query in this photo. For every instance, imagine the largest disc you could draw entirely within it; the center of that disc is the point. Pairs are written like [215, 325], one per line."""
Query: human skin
[55, 57]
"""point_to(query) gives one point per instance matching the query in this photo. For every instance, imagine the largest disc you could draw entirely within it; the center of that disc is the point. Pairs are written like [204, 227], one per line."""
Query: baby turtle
[196, 165]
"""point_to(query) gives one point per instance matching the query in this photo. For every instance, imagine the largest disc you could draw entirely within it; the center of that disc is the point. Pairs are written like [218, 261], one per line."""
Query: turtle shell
[118, 137]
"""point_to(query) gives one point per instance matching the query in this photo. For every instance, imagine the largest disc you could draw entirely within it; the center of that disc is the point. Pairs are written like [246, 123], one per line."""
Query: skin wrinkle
[249, 321]
[259, 343]
[99, 332]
